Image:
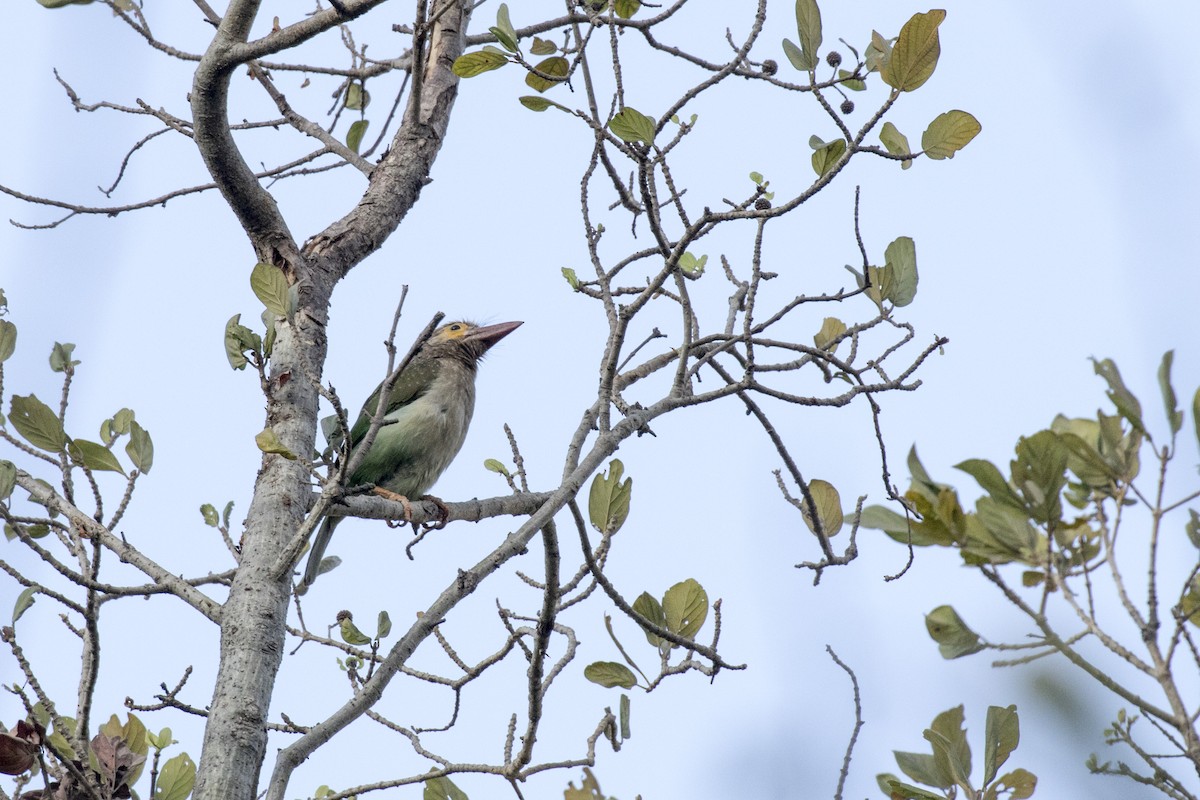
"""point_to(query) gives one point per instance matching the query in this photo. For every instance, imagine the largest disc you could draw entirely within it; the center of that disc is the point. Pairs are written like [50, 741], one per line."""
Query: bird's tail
[317, 554]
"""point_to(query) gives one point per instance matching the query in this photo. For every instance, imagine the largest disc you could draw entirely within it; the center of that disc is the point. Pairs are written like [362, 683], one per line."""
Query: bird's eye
[456, 327]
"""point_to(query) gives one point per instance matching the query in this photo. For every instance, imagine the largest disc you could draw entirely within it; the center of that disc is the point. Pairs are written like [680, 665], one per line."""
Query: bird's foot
[443, 513]
[387, 494]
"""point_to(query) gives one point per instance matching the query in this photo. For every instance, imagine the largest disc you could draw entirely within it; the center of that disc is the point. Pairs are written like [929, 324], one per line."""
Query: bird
[424, 425]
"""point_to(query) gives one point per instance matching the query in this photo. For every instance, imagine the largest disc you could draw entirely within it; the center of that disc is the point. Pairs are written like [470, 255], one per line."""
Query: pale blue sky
[1065, 230]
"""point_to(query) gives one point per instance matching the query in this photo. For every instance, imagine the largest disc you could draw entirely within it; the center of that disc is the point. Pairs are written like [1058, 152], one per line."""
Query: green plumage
[425, 423]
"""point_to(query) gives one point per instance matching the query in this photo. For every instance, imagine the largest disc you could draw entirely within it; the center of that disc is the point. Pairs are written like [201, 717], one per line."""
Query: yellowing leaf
[268, 441]
[829, 507]
[626, 8]
[542, 47]
[556, 67]
[609, 674]
[468, 65]
[608, 499]
[826, 157]
[826, 338]
[949, 133]
[685, 606]
[632, 126]
[270, 286]
[953, 636]
[896, 143]
[901, 256]
[915, 54]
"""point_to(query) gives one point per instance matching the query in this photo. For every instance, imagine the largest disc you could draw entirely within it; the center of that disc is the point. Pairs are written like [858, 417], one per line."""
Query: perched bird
[424, 424]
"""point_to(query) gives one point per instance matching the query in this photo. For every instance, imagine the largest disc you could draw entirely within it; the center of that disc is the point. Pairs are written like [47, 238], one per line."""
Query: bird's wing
[413, 382]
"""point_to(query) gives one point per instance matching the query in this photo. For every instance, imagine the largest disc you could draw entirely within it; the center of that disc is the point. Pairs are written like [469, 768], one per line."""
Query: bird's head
[466, 340]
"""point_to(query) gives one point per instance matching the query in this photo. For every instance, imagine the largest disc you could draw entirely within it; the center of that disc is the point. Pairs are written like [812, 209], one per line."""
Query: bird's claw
[444, 511]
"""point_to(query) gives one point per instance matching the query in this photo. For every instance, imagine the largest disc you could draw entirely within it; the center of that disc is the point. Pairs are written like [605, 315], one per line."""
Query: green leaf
[1125, 401]
[989, 477]
[539, 104]
[796, 56]
[60, 357]
[268, 441]
[882, 518]
[270, 286]
[8, 479]
[354, 136]
[828, 338]
[692, 266]
[808, 25]
[176, 779]
[123, 421]
[383, 625]
[609, 674]
[950, 750]
[556, 67]
[850, 82]
[829, 507]
[626, 8]
[210, 515]
[94, 456]
[140, 448]
[953, 636]
[1170, 403]
[504, 24]
[34, 420]
[1039, 473]
[357, 97]
[632, 125]
[572, 278]
[915, 54]
[24, 600]
[503, 30]
[1196, 413]
[8, 339]
[649, 607]
[493, 465]
[901, 256]
[1002, 734]
[608, 500]
[949, 133]
[923, 768]
[350, 633]
[625, 730]
[542, 47]
[897, 789]
[468, 65]
[877, 53]
[226, 512]
[238, 341]
[896, 143]
[1191, 527]
[826, 157]
[442, 789]
[686, 607]
[62, 3]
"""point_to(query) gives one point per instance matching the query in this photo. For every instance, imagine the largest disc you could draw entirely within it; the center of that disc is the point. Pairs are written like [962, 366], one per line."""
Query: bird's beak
[490, 334]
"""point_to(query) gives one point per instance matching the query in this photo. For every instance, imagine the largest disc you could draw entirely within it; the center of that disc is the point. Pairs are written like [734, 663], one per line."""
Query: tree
[747, 345]
[1072, 495]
